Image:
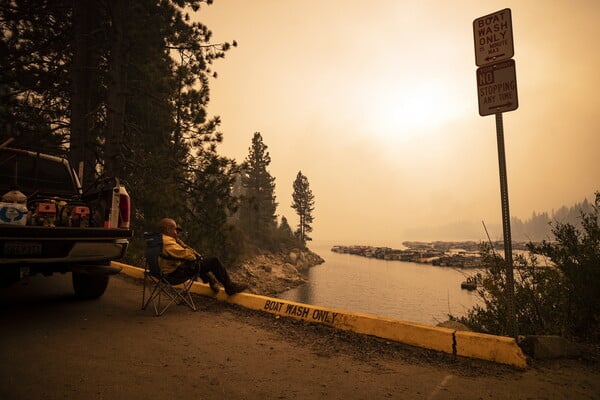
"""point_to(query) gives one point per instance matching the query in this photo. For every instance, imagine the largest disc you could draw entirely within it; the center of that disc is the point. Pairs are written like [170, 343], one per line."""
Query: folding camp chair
[175, 290]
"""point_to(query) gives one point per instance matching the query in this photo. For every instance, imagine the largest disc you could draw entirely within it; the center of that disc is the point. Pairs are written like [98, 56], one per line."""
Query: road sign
[497, 88]
[493, 37]
[497, 93]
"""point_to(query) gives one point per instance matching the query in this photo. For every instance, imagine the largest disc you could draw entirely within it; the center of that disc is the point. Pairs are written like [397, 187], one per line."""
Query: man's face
[171, 229]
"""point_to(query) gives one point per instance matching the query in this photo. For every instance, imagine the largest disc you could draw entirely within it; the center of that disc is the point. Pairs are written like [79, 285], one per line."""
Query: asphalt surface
[53, 346]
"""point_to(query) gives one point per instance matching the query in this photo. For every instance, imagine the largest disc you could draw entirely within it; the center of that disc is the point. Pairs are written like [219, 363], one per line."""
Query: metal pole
[510, 282]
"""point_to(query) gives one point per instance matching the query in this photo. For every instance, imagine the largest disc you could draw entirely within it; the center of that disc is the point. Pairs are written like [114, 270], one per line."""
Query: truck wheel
[89, 286]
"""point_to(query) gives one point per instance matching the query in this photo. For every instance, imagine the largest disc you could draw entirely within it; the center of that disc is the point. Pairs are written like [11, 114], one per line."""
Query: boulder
[270, 274]
[292, 257]
[548, 347]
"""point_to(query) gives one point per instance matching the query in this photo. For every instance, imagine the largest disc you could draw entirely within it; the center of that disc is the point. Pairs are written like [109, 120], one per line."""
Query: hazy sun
[411, 109]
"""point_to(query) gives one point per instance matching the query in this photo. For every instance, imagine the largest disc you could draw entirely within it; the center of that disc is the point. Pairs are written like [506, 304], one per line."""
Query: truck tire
[89, 286]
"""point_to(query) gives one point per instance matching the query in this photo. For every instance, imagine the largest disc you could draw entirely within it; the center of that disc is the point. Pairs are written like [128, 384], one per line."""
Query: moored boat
[469, 284]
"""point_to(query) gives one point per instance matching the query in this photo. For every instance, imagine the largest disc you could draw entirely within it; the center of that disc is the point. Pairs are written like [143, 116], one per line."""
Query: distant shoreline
[464, 254]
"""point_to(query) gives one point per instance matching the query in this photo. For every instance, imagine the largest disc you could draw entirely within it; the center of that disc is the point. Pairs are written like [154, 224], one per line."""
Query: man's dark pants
[202, 268]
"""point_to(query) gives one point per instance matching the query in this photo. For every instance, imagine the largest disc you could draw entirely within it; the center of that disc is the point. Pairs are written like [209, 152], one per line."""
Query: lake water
[401, 290]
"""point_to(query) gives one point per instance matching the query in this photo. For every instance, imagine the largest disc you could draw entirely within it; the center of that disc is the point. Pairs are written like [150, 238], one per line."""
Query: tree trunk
[117, 88]
[82, 72]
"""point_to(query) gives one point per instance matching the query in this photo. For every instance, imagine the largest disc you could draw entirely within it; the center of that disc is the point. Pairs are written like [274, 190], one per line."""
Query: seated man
[190, 263]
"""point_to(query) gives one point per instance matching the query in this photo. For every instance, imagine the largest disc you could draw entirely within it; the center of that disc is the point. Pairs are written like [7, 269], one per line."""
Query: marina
[442, 257]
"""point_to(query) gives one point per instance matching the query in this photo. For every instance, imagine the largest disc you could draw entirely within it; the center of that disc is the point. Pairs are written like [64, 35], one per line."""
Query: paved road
[55, 347]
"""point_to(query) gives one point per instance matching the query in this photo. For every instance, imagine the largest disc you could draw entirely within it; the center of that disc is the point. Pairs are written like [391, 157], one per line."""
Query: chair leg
[166, 289]
[158, 309]
[144, 304]
[173, 294]
[154, 292]
[186, 296]
[183, 295]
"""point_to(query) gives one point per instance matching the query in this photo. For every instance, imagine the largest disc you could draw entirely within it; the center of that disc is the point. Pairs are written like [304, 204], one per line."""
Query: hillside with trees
[539, 226]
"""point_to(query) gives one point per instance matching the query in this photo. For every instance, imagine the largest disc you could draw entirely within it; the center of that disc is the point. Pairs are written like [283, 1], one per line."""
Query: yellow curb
[498, 349]
[130, 270]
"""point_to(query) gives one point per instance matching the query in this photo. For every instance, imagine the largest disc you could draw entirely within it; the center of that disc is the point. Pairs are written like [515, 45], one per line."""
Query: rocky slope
[269, 274]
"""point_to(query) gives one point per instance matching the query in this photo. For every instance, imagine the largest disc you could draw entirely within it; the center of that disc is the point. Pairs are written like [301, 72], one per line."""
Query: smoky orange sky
[376, 103]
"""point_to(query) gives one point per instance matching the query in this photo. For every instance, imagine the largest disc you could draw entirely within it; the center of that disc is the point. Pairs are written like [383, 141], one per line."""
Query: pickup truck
[49, 224]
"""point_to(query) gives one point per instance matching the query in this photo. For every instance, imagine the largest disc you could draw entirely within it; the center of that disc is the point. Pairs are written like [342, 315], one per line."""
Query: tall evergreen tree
[303, 203]
[124, 83]
[257, 207]
[166, 115]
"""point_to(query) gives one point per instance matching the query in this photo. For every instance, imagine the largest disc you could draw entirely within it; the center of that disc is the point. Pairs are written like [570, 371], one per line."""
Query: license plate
[22, 249]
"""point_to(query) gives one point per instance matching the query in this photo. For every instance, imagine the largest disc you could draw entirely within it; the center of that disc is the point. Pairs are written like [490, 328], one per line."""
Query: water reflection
[402, 290]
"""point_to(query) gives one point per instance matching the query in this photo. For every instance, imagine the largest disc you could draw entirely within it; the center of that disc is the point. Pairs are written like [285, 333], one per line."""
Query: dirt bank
[269, 274]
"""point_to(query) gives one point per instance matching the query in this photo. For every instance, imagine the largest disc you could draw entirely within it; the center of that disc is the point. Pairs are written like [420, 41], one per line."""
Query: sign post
[497, 93]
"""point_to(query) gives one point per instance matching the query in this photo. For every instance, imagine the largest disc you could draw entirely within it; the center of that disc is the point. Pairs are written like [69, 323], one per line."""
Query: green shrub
[561, 297]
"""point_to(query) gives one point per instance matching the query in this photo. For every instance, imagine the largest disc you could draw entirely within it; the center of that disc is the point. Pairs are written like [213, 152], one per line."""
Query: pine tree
[285, 236]
[285, 229]
[303, 203]
[257, 208]
[123, 85]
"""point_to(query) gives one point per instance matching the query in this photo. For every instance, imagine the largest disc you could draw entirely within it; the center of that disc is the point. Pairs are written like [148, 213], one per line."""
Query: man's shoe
[212, 282]
[235, 288]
